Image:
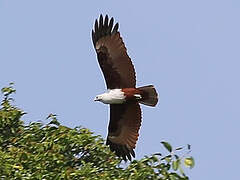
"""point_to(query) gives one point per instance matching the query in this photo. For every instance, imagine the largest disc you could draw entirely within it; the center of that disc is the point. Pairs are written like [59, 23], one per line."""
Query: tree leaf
[55, 122]
[176, 156]
[157, 154]
[180, 148]
[175, 165]
[167, 146]
[189, 162]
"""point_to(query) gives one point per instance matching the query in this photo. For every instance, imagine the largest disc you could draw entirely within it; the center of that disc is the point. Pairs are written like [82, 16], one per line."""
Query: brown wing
[112, 55]
[125, 121]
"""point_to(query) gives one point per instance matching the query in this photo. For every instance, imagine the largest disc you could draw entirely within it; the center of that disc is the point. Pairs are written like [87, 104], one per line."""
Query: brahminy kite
[122, 94]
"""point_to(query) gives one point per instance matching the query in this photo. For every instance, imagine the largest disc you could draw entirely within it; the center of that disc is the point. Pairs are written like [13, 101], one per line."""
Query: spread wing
[125, 121]
[112, 55]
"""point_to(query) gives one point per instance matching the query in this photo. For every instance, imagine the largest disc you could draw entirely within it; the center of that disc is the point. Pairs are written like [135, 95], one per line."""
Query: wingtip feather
[115, 29]
[121, 150]
[103, 26]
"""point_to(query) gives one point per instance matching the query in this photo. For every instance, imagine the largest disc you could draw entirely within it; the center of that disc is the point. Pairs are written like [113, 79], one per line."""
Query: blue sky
[190, 50]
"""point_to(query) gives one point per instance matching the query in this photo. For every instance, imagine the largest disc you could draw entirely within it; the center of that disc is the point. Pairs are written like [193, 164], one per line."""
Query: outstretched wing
[125, 121]
[112, 55]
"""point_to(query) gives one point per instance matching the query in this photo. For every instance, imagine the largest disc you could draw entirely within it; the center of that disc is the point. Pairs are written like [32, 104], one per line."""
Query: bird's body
[122, 94]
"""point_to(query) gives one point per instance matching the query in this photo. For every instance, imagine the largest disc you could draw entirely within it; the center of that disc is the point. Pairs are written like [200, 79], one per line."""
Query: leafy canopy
[54, 151]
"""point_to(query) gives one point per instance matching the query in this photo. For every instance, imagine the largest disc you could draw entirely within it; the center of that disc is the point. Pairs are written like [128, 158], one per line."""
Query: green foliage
[10, 126]
[54, 151]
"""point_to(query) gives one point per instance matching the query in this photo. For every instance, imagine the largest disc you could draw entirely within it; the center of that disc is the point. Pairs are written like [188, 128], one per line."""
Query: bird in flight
[122, 94]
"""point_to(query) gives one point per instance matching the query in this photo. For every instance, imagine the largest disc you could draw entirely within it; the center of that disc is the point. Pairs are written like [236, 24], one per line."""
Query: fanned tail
[149, 95]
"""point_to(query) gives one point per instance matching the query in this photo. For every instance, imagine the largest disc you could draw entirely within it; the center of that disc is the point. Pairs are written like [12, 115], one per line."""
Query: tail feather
[149, 95]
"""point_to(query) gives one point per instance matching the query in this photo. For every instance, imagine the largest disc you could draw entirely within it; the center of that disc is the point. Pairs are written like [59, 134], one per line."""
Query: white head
[98, 97]
[115, 96]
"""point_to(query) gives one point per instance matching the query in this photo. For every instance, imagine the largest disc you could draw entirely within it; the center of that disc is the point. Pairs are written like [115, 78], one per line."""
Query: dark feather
[121, 151]
[110, 26]
[93, 37]
[115, 29]
[118, 71]
[105, 26]
[101, 29]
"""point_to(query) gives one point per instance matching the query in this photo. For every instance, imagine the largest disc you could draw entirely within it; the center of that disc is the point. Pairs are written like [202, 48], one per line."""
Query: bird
[121, 95]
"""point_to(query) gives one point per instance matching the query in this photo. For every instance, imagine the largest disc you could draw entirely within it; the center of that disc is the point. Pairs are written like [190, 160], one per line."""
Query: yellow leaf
[189, 162]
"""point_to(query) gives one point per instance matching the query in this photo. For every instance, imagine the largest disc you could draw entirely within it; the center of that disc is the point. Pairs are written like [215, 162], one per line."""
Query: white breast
[113, 96]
